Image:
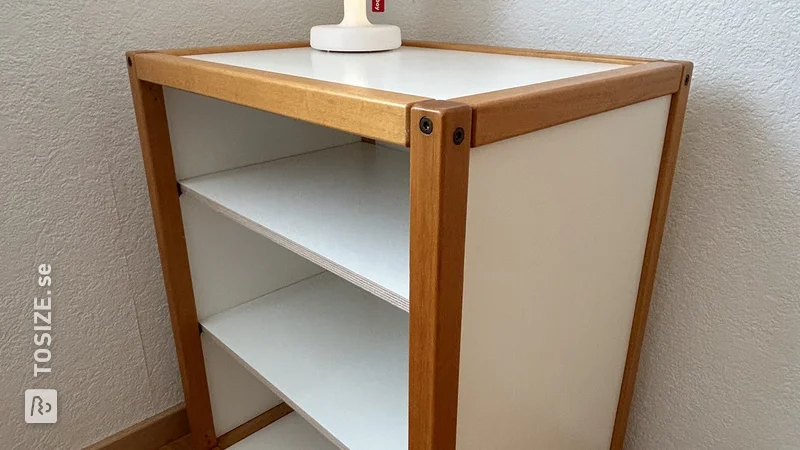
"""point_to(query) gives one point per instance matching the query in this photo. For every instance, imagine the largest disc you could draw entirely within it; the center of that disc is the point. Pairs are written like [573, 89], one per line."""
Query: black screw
[426, 125]
[130, 62]
[686, 80]
[458, 136]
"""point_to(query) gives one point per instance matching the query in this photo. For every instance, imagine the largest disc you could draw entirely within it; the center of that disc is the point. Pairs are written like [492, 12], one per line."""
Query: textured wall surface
[74, 196]
[721, 364]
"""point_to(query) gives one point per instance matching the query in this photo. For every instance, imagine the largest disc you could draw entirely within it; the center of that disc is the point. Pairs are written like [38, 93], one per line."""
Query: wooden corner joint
[686, 75]
[130, 59]
[688, 70]
[448, 121]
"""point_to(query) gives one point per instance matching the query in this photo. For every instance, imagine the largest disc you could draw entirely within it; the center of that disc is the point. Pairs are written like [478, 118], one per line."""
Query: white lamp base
[367, 38]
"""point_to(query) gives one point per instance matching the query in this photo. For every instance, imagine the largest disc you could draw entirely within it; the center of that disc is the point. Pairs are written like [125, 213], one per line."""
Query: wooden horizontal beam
[573, 56]
[366, 112]
[513, 112]
[230, 438]
[233, 48]
[149, 434]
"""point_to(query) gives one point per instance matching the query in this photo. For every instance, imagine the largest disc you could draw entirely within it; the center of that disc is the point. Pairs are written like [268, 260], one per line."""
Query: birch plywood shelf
[324, 335]
[344, 208]
[435, 248]
[288, 432]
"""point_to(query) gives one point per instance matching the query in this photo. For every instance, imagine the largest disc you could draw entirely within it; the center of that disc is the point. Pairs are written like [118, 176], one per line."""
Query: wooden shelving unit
[438, 247]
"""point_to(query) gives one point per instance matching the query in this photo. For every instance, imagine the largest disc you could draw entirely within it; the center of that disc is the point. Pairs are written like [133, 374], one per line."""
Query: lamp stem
[355, 13]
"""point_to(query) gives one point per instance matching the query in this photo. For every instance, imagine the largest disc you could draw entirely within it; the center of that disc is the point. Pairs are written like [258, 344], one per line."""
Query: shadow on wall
[720, 348]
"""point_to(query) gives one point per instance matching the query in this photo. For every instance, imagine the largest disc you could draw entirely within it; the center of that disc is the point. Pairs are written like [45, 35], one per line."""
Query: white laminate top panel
[433, 73]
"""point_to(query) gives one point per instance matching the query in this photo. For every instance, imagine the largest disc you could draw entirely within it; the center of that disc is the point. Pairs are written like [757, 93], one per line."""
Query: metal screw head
[458, 136]
[686, 80]
[426, 125]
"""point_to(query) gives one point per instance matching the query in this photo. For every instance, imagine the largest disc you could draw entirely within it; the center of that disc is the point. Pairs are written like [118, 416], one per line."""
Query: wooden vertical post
[669, 157]
[440, 146]
[151, 118]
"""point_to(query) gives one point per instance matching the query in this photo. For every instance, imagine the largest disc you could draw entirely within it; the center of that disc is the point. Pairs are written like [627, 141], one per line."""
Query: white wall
[721, 366]
[74, 196]
[721, 363]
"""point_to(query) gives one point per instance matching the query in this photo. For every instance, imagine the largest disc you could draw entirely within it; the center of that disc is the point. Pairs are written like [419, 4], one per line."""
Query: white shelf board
[344, 209]
[288, 433]
[434, 73]
[335, 353]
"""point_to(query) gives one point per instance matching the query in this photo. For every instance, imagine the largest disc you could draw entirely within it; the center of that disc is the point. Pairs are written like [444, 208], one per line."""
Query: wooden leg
[151, 117]
[439, 172]
[658, 217]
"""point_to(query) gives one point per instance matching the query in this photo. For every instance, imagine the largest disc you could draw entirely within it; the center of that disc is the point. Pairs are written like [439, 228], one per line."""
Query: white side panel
[230, 264]
[236, 396]
[210, 135]
[557, 223]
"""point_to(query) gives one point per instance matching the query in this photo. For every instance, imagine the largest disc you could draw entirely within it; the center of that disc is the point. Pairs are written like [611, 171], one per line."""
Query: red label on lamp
[378, 5]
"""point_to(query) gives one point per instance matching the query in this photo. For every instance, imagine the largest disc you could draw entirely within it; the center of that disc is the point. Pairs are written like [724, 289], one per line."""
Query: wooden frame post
[669, 157]
[151, 118]
[440, 147]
